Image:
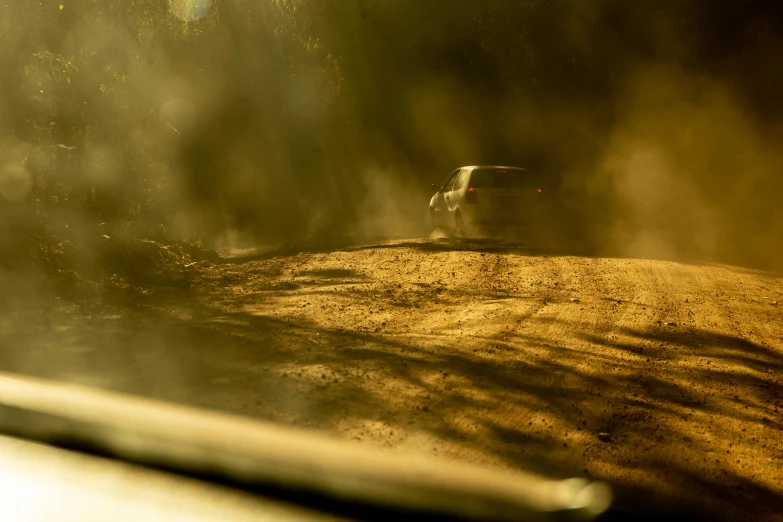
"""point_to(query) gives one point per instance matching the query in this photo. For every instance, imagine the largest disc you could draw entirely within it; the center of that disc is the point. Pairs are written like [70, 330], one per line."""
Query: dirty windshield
[229, 204]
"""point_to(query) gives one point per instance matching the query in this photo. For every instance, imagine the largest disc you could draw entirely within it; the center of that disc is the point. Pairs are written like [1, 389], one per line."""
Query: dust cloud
[291, 120]
[690, 174]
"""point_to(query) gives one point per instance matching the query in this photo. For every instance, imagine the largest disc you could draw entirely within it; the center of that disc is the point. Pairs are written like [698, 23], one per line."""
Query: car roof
[474, 167]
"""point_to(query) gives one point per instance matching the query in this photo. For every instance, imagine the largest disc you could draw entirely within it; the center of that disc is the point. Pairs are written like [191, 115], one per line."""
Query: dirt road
[663, 378]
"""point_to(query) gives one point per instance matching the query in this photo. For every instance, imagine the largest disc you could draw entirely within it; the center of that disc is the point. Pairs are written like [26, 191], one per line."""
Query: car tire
[437, 229]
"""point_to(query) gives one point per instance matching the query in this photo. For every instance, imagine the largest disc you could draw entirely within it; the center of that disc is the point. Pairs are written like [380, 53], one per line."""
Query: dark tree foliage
[289, 118]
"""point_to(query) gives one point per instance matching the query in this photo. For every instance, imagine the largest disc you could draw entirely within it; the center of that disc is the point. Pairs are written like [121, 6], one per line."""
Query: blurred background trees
[285, 119]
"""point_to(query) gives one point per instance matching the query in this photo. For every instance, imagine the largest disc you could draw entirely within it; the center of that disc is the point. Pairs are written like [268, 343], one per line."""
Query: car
[480, 199]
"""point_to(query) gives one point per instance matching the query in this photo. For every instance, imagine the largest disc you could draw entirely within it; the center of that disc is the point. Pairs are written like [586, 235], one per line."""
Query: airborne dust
[290, 120]
[138, 137]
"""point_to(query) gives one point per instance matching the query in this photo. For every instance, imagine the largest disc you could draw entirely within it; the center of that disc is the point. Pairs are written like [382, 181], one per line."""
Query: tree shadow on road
[669, 400]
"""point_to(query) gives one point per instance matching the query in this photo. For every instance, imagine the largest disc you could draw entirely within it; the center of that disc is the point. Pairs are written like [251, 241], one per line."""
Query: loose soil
[662, 378]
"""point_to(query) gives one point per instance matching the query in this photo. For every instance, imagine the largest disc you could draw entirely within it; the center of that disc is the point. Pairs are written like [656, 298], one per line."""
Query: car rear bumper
[494, 217]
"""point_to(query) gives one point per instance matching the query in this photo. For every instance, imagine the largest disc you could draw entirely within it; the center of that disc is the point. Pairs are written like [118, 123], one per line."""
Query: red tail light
[471, 189]
[540, 190]
[471, 197]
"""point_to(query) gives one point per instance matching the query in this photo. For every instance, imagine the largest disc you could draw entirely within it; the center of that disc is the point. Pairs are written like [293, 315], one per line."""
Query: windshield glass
[498, 178]
[236, 205]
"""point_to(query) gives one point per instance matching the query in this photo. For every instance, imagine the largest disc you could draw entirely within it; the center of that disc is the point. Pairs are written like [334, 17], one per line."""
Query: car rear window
[499, 178]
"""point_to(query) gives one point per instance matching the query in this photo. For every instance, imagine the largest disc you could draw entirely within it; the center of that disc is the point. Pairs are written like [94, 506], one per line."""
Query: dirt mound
[148, 262]
[78, 267]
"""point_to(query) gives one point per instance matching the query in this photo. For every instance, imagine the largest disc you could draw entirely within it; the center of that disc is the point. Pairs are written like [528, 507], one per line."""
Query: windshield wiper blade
[267, 457]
